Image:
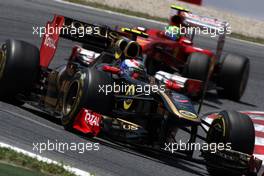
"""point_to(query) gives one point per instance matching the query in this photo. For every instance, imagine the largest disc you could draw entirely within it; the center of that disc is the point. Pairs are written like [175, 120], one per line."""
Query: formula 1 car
[228, 75]
[79, 92]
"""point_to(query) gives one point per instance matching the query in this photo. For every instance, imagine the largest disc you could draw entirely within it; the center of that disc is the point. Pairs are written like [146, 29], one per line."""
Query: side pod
[180, 106]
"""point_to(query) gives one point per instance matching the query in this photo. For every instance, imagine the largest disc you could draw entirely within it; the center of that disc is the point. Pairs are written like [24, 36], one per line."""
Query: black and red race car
[148, 112]
[228, 74]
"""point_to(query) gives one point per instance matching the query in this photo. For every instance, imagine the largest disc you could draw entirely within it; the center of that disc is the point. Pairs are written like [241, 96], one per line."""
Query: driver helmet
[172, 32]
[132, 65]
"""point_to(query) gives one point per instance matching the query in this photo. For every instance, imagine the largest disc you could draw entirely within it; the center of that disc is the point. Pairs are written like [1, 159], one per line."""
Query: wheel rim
[71, 98]
[217, 132]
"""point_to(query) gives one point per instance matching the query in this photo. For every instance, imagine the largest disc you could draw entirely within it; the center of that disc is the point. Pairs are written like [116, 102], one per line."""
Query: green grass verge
[144, 15]
[11, 170]
[19, 160]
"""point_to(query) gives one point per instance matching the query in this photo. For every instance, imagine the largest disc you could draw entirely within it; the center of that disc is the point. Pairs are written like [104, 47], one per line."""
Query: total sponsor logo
[91, 118]
[49, 42]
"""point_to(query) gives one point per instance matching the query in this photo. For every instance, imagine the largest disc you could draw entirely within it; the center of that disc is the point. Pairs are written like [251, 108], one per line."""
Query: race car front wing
[233, 160]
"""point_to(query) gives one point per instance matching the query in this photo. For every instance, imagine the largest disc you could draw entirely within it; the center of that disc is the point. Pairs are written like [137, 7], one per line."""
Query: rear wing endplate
[68, 28]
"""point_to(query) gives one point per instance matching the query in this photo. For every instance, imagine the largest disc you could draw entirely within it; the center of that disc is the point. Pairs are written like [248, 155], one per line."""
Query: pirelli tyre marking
[2, 61]
[219, 125]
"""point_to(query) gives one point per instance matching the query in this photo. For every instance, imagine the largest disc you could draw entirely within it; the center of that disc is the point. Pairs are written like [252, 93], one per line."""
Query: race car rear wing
[97, 36]
[210, 24]
[68, 28]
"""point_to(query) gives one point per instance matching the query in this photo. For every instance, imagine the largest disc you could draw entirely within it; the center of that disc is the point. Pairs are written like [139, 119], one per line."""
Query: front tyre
[197, 66]
[234, 128]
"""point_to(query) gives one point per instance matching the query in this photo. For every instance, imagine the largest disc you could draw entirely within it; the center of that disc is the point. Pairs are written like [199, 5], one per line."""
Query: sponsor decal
[92, 118]
[49, 42]
[188, 114]
[129, 127]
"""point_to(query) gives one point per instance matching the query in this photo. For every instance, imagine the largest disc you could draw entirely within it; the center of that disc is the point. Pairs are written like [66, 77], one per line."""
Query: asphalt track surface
[23, 126]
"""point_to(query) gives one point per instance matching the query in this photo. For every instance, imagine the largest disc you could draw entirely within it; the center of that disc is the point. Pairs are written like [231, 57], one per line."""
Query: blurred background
[252, 8]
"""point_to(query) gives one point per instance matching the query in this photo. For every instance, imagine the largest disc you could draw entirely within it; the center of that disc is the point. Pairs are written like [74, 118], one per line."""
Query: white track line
[28, 119]
[76, 171]
[140, 18]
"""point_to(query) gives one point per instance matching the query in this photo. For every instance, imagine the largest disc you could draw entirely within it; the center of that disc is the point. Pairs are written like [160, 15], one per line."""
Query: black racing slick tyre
[83, 91]
[19, 67]
[197, 66]
[236, 129]
[233, 76]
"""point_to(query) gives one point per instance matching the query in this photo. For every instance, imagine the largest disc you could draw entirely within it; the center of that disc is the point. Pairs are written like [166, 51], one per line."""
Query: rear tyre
[19, 68]
[233, 76]
[234, 128]
[84, 92]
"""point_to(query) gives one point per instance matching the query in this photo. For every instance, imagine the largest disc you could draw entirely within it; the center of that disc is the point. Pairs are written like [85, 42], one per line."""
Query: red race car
[229, 74]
